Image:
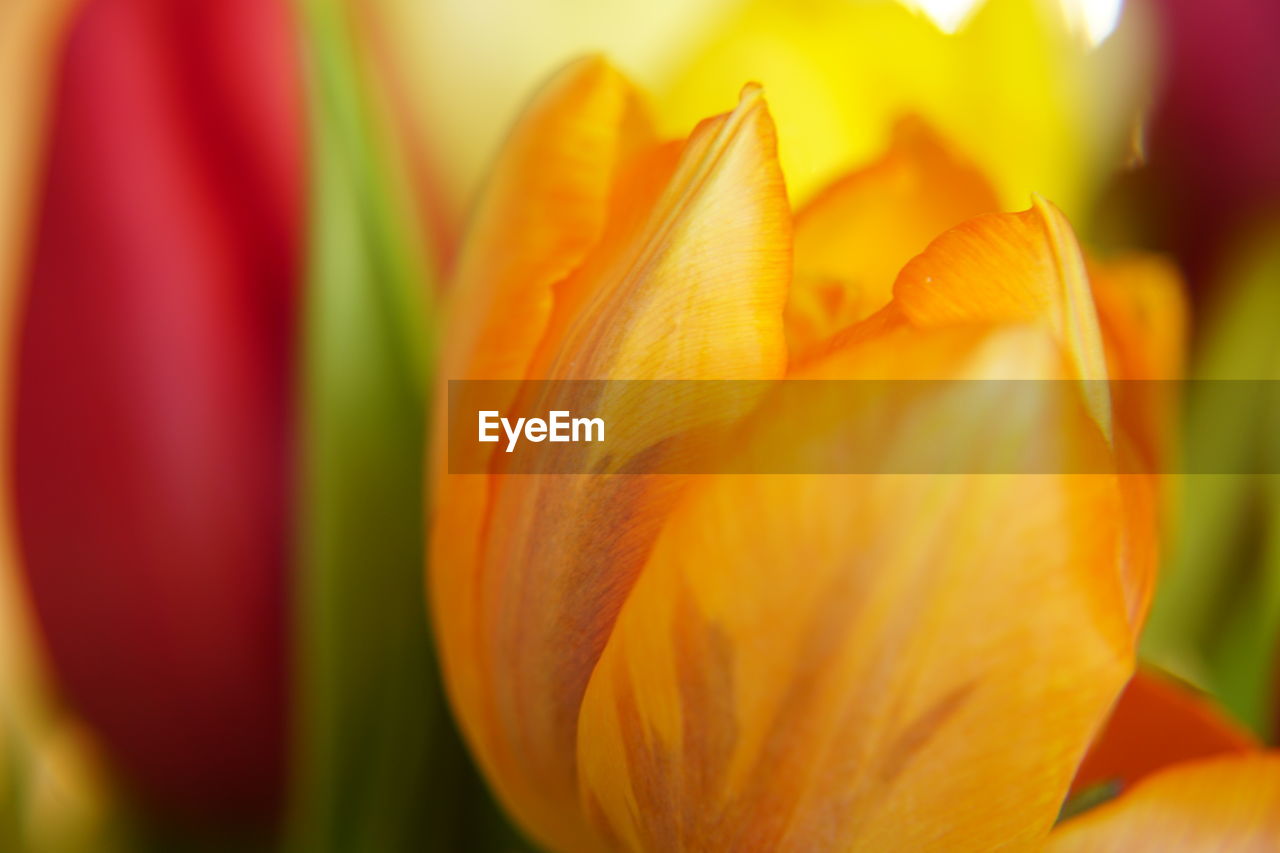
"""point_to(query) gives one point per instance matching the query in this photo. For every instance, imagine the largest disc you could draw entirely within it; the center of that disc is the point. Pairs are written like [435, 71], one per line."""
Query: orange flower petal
[699, 274]
[1155, 724]
[688, 281]
[1142, 311]
[828, 662]
[545, 207]
[1027, 267]
[852, 239]
[542, 211]
[1012, 268]
[1223, 803]
[1143, 316]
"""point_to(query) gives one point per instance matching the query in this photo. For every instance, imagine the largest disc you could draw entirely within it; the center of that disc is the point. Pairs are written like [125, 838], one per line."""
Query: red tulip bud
[154, 400]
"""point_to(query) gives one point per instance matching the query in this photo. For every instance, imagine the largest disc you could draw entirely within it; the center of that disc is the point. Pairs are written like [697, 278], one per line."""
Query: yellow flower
[1032, 100]
[1034, 103]
[787, 662]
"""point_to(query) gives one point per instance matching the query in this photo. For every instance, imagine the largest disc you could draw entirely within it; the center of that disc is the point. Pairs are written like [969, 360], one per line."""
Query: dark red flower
[154, 398]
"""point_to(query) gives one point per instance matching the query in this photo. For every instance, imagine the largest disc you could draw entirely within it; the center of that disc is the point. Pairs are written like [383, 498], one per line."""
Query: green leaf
[378, 766]
[1216, 618]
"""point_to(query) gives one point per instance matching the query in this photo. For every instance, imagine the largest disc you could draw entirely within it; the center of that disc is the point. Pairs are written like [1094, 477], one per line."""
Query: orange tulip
[787, 662]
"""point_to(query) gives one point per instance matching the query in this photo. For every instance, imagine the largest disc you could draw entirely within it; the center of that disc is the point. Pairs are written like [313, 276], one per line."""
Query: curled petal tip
[1080, 329]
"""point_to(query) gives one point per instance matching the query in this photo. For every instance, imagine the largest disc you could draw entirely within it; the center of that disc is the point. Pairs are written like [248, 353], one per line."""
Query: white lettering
[488, 422]
[558, 427]
[587, 425]
[513, 435]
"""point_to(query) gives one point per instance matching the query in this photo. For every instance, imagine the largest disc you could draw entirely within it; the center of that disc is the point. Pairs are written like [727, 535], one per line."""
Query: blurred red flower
[152, 426]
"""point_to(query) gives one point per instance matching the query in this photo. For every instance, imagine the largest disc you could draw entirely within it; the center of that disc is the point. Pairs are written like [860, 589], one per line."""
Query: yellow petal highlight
[687, 281]
[1229, 803]
[804, 664]
[855, 236]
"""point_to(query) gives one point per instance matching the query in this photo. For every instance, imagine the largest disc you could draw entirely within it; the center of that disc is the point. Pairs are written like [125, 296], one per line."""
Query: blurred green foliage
[1216, 619]
[379, 766]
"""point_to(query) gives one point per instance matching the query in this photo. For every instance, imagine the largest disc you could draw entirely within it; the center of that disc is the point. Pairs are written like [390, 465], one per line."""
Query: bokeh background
[226, 227]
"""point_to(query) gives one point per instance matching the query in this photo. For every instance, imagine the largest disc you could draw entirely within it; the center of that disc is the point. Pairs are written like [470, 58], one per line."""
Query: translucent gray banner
[864, 427]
